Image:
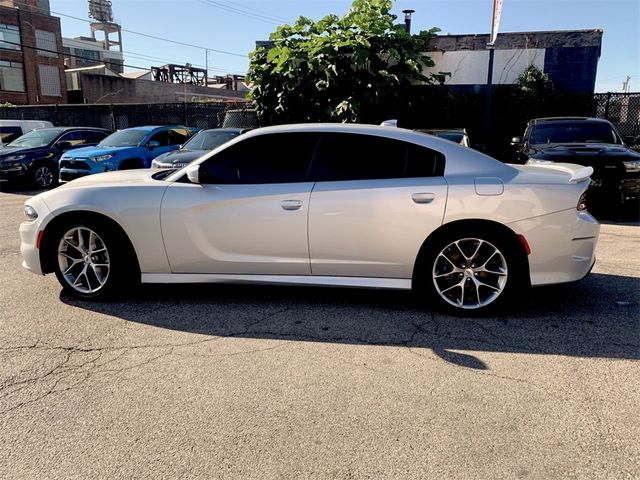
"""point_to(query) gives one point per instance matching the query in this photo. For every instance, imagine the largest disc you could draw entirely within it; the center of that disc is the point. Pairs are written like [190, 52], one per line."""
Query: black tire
[44, 175]
[91, 260]
[469, 273]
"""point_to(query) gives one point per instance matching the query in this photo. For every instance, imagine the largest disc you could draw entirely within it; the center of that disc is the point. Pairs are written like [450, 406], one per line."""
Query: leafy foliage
[350, 68]
[534, 81]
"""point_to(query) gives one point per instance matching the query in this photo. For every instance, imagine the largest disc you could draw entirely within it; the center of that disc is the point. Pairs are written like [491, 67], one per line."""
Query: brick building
[31, 60]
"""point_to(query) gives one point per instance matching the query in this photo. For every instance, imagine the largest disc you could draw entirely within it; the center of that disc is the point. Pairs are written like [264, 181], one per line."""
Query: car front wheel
[91, 260]
[44, 176]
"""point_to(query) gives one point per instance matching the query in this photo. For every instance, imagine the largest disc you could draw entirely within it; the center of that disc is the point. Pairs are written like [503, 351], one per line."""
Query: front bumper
[562, 245]
[13, 172]
[72, 168]
[29, 232]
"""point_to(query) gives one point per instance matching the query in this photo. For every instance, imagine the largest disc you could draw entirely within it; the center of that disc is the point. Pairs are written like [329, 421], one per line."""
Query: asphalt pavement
[213, 381]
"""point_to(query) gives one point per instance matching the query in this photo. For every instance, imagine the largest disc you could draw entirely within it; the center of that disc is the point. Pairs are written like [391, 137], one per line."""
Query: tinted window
[276, 158]
[9, 134]
[346, 156]
[178, 136]
[93, 136]
[161, 137]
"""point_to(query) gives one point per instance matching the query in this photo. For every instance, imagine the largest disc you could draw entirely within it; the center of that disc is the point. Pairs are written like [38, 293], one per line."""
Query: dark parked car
[33, 157]
[591, 142]
[196, 146]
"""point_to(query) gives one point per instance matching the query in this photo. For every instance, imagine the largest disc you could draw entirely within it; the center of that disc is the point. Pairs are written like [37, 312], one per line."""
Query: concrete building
[31, 63]
[570, 58]
[99, 85]
[82, 52]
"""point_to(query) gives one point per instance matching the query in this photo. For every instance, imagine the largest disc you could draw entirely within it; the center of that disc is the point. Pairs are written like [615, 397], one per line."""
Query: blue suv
[125, 149]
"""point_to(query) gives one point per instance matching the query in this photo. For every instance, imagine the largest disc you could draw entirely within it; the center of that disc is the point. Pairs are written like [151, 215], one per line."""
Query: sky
[228, 29]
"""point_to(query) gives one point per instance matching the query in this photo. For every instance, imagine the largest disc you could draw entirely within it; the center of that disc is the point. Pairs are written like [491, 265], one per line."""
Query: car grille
[68, 176]
[75, 164]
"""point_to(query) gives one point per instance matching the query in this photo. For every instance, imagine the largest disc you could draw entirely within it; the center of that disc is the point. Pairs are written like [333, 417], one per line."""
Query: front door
[248, 214]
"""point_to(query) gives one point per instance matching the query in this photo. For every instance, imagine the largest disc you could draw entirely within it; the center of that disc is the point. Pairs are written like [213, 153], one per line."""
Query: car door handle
[423, 197]
[291, 204]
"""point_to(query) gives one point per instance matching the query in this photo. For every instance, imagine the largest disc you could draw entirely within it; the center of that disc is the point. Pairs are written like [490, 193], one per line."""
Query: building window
[11, 76]
[46, 43]
[86, 58]
[50, 81]
[9, 37]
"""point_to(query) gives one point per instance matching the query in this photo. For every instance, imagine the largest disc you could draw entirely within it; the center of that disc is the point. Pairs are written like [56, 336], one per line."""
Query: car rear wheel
[469, 274]
[91, 260]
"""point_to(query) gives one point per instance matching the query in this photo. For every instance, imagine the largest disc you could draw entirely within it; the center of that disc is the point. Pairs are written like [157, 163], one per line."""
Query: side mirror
[193, 173]
[630, 140]
[516, 141]
[153, 144]
[64, 146]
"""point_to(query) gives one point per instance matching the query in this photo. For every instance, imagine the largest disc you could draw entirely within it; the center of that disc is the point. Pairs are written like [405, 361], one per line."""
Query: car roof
[149, 128]
[70, 129]
[567, 119]
[230, 130]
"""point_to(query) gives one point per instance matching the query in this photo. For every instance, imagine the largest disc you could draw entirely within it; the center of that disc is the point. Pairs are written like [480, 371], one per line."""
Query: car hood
[6, 151]
[119, 178]
[184, 155]
[94, 151]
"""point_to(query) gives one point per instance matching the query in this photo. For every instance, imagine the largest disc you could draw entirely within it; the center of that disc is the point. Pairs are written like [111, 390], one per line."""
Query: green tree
[534, 81]
[350, 68]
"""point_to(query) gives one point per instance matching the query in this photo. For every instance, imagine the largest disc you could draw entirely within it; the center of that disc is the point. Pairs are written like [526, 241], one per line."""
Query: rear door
[375, 202]
[248, 214]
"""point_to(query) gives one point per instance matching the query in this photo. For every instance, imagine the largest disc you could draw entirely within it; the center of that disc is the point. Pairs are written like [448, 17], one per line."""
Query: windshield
[124, 138]
[574, 132]
[35, 139]
[208, 140]
[452, 136]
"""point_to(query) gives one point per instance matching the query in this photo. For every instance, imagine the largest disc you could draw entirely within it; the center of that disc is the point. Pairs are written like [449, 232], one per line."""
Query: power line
[264, 13]
[242, 12]
[224, 52]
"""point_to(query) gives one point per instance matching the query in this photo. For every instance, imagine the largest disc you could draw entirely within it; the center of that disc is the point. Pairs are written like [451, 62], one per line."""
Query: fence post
[184, 114]
[114, 123]
[606, 106]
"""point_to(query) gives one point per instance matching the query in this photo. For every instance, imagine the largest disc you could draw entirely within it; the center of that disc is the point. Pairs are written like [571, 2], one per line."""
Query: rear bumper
[562, 245]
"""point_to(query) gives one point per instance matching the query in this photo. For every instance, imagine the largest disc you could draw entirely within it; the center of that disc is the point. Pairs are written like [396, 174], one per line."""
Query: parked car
[586, 141]
[457, 135]
[195, 147]
[123, 150]
[12, 129]
[33, 157]
[322, 204]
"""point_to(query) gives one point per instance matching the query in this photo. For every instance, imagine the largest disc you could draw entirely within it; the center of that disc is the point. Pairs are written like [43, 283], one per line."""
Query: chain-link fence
[621, 109]
[114, 117]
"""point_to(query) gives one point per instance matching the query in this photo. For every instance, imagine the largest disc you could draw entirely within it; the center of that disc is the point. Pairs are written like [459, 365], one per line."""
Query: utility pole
[626, 86]
[497, 9]
[206, 67]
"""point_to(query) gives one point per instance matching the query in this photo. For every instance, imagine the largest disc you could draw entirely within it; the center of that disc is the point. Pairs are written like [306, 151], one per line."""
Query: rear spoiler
[578, 172]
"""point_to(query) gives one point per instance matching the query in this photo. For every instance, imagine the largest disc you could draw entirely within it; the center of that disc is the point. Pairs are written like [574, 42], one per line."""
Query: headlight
[30, 213]
[632, 166]
[102, 158]
[13, 158]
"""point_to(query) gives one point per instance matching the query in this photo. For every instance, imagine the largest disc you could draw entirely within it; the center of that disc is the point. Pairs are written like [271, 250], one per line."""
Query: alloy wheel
[43, 176]
[470, 273]
[83, 260]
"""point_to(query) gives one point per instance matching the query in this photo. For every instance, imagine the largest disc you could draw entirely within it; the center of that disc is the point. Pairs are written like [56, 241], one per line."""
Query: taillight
[582, 203]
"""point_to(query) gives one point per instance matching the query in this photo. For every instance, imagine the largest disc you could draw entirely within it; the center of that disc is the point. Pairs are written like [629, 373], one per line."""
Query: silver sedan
[322, 204]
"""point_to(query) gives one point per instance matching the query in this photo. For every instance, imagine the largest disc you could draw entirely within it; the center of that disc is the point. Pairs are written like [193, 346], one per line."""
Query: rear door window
[347, 156]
